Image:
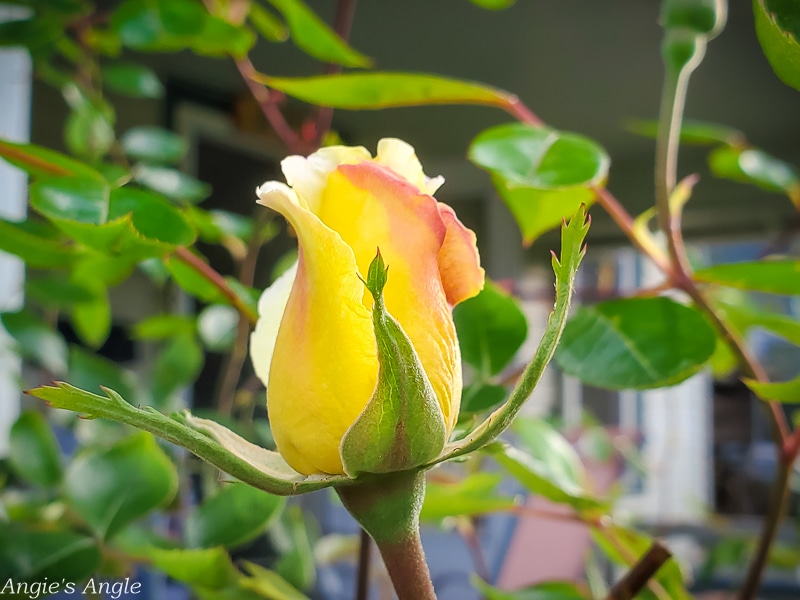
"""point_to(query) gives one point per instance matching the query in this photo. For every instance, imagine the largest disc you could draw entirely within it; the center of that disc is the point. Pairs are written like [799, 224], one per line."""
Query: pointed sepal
[402, 426]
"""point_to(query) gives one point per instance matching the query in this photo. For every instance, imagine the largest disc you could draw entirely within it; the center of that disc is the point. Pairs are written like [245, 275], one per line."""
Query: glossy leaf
[159, 327]
[32, 33]
[735, 308]
[216, 325]
[55, 555]
[114, 487]
[233, 516]
[71, 198]
[539, 157]
[480, 396]
[474, 495]
[36, 340]
[221, 38]
[173, 184]
[778, 30]
[550, 468]
[313, 36]
[210, 441]
[755, 167]
[132, 79]
[543, 175]
[153, 144]
[551, 590]
[152, 216]
[776, 276]
[494, 4]
[89, 132]
[192, 282]
[182, 17]
[209, 568]
[377, 90]
[56, 291]
[292, 539]
[635, 343]
[43, 162]
[267, 24]
[177, 366]
[782, 391]
[35, 250]
[34, 451]
[491, 328]
[146, 26]
[269, 584]
[92, 319]
[700, 133]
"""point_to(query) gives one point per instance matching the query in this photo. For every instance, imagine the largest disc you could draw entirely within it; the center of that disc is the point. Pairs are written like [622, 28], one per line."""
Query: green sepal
[402, 426]
[251, 464]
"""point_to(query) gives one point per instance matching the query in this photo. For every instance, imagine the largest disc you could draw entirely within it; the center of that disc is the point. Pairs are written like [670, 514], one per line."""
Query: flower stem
[364, 559]
[640, 573]
[408, 570]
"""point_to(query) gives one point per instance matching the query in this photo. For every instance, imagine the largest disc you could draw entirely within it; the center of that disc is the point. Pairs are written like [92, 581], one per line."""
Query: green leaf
[478, 397]
[269, 584]
[625, 546]
[784, 391]
[114, 487]
[33, 33]
[551, 467]
[778, 30]
[209, 568]
[33, 556]
[216, 325]
[192, 282]
[152, 216]
[182, 17]
[153, 144]
[89, 132]
[71, 198]
[291, 537]
[748, 165]
[157, 26]
[491, 328]
[267, 24]
[314, 37]
[159, 327]
[34, 451]
[56, 291]
[22, 240]
[177, 366]
[92, 319]
[774, 276]
[43, 162]
[474, 495]
[402, 426]
[550, 590]
[36, 340]
[735, 308]
[635, 343]
[494, 4]
[700, 133]
[377, 90]
[539, 157]
[173, 184]
[234, 516]
[221, 38]
[543, 175]
[565, 268]
[132, 79]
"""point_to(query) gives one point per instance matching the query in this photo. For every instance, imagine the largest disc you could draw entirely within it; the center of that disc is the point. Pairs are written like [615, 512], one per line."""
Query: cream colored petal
[308, 176]
[271, 307]
[401, 158]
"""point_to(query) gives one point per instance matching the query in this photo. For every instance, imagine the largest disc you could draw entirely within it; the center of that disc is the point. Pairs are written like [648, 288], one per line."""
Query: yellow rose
[314, 346]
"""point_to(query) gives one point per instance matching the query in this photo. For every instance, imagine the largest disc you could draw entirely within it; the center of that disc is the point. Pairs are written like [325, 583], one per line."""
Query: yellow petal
[308, 176]
[324, 367]
[370, 206]
[459, 262]
[401, 158]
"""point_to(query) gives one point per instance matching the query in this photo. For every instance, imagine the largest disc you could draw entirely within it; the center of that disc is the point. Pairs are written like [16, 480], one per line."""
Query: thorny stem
[342, 24]
[210, 275]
